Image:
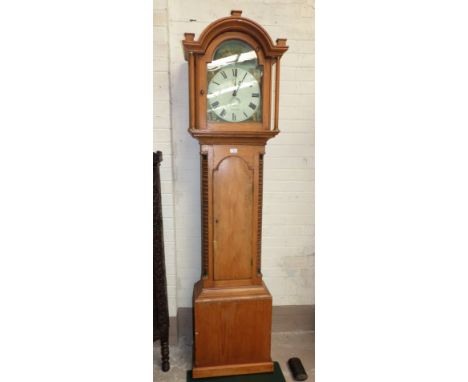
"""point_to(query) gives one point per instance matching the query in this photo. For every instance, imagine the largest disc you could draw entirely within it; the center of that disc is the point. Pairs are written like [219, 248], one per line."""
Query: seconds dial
[233, 94]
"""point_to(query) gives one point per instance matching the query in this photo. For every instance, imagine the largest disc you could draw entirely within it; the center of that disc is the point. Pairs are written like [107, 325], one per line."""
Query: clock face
[233, 94]
[234, 84]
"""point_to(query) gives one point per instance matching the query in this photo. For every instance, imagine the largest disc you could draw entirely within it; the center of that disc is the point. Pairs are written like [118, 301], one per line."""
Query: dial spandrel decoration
[234, 84]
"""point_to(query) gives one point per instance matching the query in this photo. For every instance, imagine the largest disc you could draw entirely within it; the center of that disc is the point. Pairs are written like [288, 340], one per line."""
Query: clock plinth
[230, 94]
[232, 330]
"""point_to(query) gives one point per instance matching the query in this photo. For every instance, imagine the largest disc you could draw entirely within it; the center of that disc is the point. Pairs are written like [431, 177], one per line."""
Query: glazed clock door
[237, 95]
[233, 196]
[234, 84]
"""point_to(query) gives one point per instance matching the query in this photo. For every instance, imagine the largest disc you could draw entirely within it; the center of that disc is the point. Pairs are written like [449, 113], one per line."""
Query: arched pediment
[234, 23]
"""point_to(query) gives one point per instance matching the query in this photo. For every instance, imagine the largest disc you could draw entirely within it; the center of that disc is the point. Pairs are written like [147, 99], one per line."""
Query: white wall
[162, 142]
[288, 222]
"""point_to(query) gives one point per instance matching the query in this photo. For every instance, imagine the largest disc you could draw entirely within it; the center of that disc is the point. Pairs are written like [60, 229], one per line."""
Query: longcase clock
[234, 78]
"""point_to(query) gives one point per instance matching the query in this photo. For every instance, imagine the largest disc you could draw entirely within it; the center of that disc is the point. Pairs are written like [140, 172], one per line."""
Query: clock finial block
[236, 13]
[281, 42]
[189, 36]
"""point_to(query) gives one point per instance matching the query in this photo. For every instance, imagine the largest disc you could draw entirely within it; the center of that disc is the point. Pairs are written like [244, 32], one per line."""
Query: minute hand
[238, 86]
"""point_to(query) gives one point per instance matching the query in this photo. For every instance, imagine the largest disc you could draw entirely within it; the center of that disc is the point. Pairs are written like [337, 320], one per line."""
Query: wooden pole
[277, 89]
[192, 89]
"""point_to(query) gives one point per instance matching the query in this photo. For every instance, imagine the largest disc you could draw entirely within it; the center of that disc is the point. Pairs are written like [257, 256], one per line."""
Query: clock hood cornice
[234, 23]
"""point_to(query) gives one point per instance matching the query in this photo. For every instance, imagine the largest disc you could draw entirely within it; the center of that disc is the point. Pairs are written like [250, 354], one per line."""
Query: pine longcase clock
[234, 76]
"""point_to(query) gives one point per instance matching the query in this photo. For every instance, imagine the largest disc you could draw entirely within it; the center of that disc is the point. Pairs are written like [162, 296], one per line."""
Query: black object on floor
[276, 376]
[297, 370]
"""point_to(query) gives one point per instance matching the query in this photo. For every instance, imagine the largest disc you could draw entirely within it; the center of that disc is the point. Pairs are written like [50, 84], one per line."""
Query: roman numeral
[256, 95]
[234, 72]
[224, 75]
[215, 104]
[215, 83]
[233, 117]
[223, 112]
[246, 116]
[245, 75]
[252, 106]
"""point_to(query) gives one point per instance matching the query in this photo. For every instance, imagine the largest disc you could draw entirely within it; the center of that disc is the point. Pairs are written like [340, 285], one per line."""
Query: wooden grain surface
[233, 204]
[232, 330]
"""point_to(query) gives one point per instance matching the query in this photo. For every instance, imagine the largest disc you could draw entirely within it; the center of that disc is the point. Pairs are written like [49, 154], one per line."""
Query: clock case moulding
[232, 305]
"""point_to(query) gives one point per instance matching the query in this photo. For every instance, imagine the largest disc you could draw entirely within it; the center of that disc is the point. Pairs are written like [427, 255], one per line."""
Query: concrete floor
[284, 346]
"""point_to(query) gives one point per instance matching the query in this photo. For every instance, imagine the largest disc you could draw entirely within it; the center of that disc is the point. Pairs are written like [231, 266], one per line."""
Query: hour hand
[238, 86]
[236, 90]
[234, 72]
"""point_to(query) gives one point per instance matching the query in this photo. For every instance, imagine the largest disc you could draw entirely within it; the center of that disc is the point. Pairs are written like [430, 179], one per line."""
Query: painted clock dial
[234, 94]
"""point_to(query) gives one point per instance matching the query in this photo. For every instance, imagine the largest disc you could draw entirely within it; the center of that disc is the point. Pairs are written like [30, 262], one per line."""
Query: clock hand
[235, 85]
[240, 83]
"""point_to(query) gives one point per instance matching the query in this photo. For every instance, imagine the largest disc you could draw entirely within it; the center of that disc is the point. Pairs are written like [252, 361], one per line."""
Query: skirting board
[286, 318]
